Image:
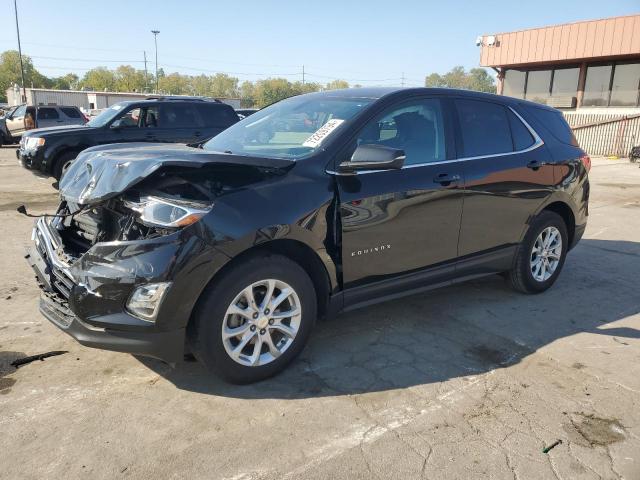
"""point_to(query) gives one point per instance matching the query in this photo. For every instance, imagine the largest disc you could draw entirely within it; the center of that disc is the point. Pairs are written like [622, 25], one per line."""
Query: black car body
[396, 192]
[50, 151]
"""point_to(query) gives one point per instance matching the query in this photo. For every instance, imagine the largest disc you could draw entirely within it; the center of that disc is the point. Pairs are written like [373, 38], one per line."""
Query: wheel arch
[295, 250]
[565, 211]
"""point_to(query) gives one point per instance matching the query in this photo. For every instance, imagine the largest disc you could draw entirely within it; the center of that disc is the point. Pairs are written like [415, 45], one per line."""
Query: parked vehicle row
[50, 151]
[315, 205]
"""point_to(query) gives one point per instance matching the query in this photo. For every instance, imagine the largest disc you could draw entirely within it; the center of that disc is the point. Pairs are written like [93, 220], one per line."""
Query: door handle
[445, 179]
[535, 165]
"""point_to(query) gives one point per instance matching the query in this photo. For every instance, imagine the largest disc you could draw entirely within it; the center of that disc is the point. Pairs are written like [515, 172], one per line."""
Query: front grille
[60, 282]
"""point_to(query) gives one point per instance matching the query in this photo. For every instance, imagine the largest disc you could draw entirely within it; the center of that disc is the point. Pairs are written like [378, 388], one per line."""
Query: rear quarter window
[70, 112]
[554, 122]
[47, 114]
[217, 115]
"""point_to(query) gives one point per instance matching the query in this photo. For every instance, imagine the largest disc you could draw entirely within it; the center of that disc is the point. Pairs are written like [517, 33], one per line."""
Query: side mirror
[374, 157]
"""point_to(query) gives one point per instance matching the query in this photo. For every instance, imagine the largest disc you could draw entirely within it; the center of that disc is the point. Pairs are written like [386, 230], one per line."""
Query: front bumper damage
[86, 297]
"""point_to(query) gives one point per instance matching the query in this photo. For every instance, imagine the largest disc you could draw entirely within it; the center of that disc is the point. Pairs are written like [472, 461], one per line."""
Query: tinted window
[514, 83]
[522, 138]
[484, 128]
[71, 112]
[416, 127]
[596, 88]
[565, 82]
[555, 123]
[216, 115]
[538, 84]
[152, 118]
[179, 115]
[47, 114]
[626, 81]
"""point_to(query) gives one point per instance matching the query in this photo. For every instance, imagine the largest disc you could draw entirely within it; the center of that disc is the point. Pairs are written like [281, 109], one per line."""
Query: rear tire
[234, 357]
[541, 255]
[62, 164]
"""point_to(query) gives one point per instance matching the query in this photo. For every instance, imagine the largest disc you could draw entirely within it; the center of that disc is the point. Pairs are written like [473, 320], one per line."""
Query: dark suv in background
[50, 151]
[232, 251]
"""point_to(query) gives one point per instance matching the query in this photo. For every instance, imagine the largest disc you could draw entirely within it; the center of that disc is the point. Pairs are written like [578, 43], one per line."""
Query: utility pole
[155, 39]
[303, 74]
[402, 81]
[146, 75]
[24, 91]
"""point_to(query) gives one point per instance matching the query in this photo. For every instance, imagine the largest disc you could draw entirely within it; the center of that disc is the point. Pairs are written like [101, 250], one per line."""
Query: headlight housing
[32, 143]
[162, 212]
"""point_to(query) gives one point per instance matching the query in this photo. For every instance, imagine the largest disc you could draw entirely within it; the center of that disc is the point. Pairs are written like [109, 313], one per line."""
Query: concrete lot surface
[466, 382]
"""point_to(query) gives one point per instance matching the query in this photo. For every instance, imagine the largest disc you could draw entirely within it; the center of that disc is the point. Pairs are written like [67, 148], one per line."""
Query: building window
[596, 88]
[565, 82]
[538, 82]
[625, 86]
[513, 85]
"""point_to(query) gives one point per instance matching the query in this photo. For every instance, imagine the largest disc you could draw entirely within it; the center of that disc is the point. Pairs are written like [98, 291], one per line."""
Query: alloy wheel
[546, 254]
[261, 322]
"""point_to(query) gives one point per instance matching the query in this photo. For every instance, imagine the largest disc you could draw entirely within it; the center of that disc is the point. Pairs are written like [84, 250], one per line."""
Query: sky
[368, 42]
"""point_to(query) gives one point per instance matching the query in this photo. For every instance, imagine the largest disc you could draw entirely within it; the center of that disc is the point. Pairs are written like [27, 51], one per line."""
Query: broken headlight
[162, 212]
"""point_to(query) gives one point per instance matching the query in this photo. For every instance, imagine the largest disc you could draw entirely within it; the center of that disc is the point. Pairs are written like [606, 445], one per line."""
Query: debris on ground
[552, 446]
[41, 356]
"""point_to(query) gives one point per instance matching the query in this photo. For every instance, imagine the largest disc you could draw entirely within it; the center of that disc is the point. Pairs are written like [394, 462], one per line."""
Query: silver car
[27, 117]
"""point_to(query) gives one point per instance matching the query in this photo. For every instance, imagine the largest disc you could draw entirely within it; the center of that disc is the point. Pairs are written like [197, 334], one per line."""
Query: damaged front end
[123, 261]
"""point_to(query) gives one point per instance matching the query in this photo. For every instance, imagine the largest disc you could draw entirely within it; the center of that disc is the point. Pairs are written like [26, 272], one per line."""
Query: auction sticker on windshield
[323, 132]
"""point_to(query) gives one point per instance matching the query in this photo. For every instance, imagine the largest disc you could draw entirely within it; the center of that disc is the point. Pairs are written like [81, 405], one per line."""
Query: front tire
[255, 319]
[540, 257]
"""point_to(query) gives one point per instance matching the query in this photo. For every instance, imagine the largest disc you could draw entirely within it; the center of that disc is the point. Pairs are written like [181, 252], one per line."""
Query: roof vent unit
[491, 40]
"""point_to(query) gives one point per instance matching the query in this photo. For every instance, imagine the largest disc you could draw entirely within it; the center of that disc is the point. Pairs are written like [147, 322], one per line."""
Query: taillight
[586, 161]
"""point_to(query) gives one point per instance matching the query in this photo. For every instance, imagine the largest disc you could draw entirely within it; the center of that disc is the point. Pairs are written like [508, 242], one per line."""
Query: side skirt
[467, 268]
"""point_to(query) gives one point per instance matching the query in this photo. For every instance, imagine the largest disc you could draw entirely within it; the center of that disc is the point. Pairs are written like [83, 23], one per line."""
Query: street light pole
[24, 91]
[155, 39]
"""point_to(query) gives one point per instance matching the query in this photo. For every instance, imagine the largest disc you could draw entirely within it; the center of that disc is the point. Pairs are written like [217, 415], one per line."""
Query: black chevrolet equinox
[315, 205]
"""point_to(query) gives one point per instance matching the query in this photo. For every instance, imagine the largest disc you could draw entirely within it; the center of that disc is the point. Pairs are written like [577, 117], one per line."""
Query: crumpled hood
[103, 172]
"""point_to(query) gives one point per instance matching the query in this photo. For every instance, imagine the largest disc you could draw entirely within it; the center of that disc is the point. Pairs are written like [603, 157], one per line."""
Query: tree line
[259, 93]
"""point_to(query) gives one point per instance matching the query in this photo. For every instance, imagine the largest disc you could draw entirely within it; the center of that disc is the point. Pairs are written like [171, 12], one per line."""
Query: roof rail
[182, 97]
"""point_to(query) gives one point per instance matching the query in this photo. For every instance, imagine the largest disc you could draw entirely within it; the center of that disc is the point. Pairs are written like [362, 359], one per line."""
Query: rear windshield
[70, 112]
[554, 121]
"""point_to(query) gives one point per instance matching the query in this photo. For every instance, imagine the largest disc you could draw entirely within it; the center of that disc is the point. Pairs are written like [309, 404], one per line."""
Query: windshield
[107, 115]
[291, 129]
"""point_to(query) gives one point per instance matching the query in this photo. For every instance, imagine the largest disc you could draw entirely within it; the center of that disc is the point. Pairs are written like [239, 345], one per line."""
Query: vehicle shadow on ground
[457, 331]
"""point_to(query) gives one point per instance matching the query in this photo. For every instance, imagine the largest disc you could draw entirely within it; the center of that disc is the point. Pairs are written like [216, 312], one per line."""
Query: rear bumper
[579, 232]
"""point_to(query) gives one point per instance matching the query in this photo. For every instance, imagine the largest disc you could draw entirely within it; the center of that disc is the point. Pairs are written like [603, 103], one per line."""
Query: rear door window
[70, 112]
[179, 115]
[484, 128]
[217, 115]
[45, 113]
